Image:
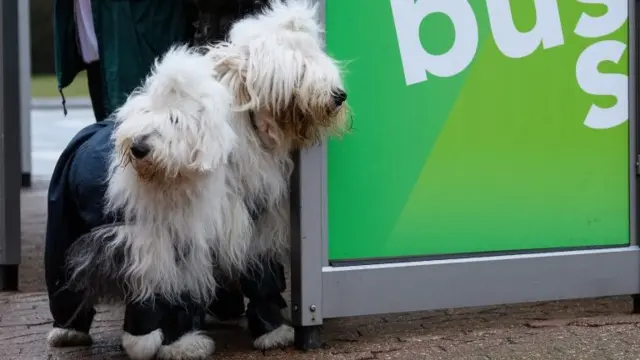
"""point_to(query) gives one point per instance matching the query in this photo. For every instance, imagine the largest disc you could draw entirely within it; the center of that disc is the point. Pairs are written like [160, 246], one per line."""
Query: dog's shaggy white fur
[285, 88]
[191, 346]
[142, 347]
[182, 210]
[177, 208]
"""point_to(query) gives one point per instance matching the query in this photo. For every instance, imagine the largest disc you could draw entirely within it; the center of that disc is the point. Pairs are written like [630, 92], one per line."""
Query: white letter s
[595, 27]
[596, 83]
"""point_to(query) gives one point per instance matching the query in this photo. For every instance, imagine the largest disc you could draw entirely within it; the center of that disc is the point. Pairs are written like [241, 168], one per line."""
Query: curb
[56, 103]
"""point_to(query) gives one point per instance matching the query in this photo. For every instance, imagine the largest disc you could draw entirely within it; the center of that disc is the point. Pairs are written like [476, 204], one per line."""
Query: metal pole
[10, 161]
[308, 239]
[24, 44]
[634, 129]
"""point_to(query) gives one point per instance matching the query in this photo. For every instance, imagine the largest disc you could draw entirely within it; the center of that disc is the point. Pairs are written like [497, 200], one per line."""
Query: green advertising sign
[479, 125]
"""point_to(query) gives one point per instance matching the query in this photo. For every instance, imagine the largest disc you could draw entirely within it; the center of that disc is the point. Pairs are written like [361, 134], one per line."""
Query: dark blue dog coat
[75, 207]
[80, 173]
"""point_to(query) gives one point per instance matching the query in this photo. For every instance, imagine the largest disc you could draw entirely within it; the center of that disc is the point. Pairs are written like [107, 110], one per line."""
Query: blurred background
[43, 81]
[47, 126]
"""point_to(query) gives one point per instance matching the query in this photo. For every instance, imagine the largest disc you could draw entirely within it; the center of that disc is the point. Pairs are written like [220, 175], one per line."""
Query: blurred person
[215, 17]
[116, 42]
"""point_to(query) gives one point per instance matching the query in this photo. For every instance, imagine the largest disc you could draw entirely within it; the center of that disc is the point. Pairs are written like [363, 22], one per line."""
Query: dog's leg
[263, 286]
[67, 337]
[71, 320]
[184, 338]
[228, 307]
[72, 315]
[143, 336]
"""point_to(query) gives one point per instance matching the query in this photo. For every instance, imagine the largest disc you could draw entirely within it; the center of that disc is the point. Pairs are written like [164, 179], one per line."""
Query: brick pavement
[596, 329]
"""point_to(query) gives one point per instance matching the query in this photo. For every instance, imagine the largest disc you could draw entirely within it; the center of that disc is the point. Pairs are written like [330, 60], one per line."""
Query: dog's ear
[267, 128]
[217, 139]
[230, 64]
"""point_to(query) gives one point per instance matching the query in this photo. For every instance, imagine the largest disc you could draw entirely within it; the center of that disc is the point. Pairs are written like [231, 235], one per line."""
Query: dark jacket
[215, 17]
[130, 34]
[80, 173]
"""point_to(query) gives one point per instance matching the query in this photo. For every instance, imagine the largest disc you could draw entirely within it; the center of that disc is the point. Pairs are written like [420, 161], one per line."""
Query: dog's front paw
[59, 337]
[280, 337]
[144, 347]
[191, 346]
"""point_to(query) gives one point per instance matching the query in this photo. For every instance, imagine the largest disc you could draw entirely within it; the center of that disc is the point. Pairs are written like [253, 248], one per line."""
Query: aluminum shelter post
[24, 44]
[10, 135]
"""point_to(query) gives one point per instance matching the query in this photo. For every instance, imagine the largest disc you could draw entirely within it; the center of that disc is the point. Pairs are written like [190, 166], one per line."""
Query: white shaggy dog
[290, 94]
[176, 136]
[164, 160]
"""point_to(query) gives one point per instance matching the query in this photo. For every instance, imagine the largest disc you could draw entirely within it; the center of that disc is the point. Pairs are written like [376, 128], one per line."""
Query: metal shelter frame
[11, 163]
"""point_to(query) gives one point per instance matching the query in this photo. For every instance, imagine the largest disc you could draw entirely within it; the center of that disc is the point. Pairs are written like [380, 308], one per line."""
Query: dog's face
[176, 125]
[293, 87]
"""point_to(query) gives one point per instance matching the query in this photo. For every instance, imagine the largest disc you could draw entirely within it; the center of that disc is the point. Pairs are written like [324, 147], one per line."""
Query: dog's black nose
[339, 97]
[139, 149]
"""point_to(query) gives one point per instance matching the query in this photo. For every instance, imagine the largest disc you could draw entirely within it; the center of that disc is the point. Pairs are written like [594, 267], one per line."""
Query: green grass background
[43, 86]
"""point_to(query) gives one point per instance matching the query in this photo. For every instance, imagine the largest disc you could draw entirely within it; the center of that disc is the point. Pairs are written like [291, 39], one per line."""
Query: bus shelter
[492, 160]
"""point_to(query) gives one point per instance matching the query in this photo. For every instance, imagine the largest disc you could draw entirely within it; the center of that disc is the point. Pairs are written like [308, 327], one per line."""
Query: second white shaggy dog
[290, 95]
